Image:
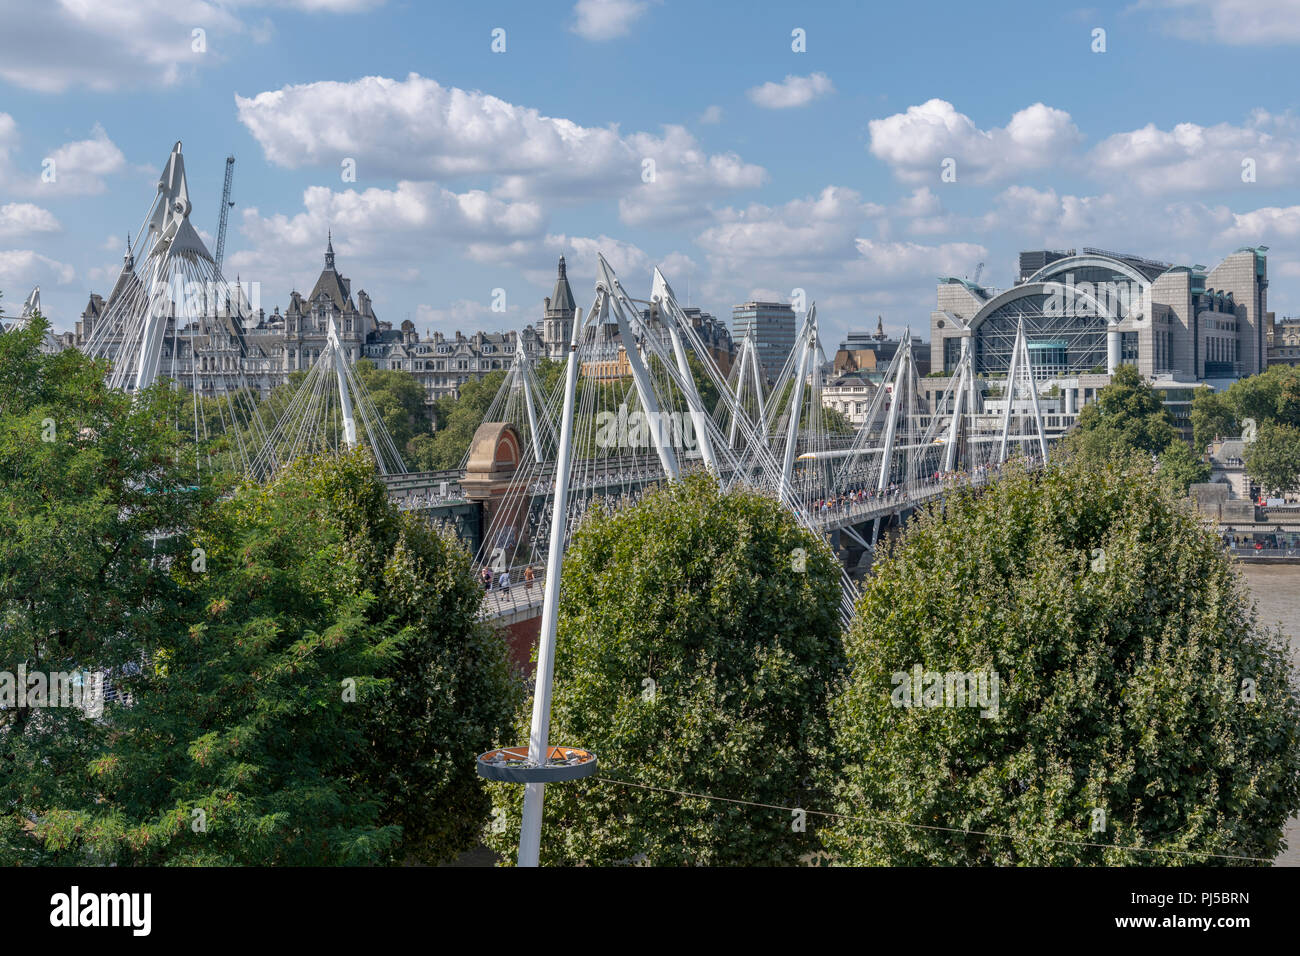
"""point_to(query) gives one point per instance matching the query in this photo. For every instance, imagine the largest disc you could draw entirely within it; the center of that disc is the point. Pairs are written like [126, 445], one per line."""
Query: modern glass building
[1087, 312]
[773, 325]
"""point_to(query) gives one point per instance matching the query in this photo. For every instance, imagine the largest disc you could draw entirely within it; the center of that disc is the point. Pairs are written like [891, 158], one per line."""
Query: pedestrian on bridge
[529, 575]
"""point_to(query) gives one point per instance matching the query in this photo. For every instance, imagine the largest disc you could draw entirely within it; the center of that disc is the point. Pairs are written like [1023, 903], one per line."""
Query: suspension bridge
[648, 404]
[641, 401]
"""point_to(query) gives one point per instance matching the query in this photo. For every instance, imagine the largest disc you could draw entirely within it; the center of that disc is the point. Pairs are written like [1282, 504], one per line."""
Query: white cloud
[791, 92]
[73, 169]
[1262, 225]
[894, 261]
[1044, 213]
[23, 219]
[79, 167]
[23, 268]
[105, 45]
[800, 231]
[1193, 158]
[416, 128]
[685, 177]
[631, 263]
[818, 244]
[381, 231]
[1230, 22]
[471, 315]
[915, 143]
[606, 19]
[711, 115]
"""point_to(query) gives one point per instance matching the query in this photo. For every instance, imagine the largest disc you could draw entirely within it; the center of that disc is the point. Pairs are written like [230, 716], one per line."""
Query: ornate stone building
[558, 313]
[241, 344]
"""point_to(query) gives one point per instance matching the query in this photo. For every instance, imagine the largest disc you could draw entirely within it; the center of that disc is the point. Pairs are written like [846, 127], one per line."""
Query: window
[951, 353]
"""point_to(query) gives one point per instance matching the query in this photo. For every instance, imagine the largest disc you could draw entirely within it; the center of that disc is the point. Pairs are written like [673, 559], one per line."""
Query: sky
[855, 151]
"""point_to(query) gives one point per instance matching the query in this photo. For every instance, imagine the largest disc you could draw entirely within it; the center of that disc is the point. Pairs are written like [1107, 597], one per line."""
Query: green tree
[1259, 396]
[326, 702]
[1288, 399]
[1180, 468]
[92, 483]
[457, 419]
[698, 643]
[1212, 417]
[1131, 411]
[1128, 423]
[400, 401]
[1139, 702]
[1273, 458]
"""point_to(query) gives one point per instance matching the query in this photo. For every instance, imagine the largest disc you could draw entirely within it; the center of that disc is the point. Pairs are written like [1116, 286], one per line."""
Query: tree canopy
[1128, 422]
[697, 646]
[305, 678]
[1273, 457]
[457, 419]
[1138, 704]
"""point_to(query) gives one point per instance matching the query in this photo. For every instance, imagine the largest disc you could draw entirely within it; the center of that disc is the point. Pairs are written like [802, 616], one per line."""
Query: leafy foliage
[1212, 417]
[1273, 458]
[457, 420]
[326, 705]
[1129, 423]
[691, 655]
[399, 399]
[1130, 408]
[1270, 396]
[87, 477]
[1134, 680]
[234, 655]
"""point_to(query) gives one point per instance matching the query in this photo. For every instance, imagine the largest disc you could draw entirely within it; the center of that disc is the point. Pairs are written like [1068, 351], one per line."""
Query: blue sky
[774, 169]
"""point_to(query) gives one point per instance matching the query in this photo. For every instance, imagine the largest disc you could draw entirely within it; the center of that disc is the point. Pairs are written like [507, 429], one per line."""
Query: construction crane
[226, 203]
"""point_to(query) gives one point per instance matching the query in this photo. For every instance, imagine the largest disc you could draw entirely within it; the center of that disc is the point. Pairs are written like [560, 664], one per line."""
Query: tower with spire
[557, 321]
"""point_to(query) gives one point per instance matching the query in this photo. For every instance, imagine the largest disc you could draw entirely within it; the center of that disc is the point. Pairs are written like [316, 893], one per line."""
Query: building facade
[863, 352]
[1087, 312]
[773, 327]
[239, 346]
[1284, 340]
[558, 312]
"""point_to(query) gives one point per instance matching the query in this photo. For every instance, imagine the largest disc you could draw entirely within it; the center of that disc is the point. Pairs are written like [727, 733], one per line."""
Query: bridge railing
[1293, 553]
[878, 505]
[521, 595]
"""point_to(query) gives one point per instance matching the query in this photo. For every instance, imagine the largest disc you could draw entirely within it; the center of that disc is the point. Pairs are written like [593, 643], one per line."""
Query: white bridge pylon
[522, 401]
[172, 315]
[899, 445]
[31, 306]
[323, 414]
[172, 292]
[1021, 385]
[652, 351]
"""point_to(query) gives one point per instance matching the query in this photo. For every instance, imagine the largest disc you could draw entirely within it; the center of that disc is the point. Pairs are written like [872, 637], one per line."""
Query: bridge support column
[495, 454]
